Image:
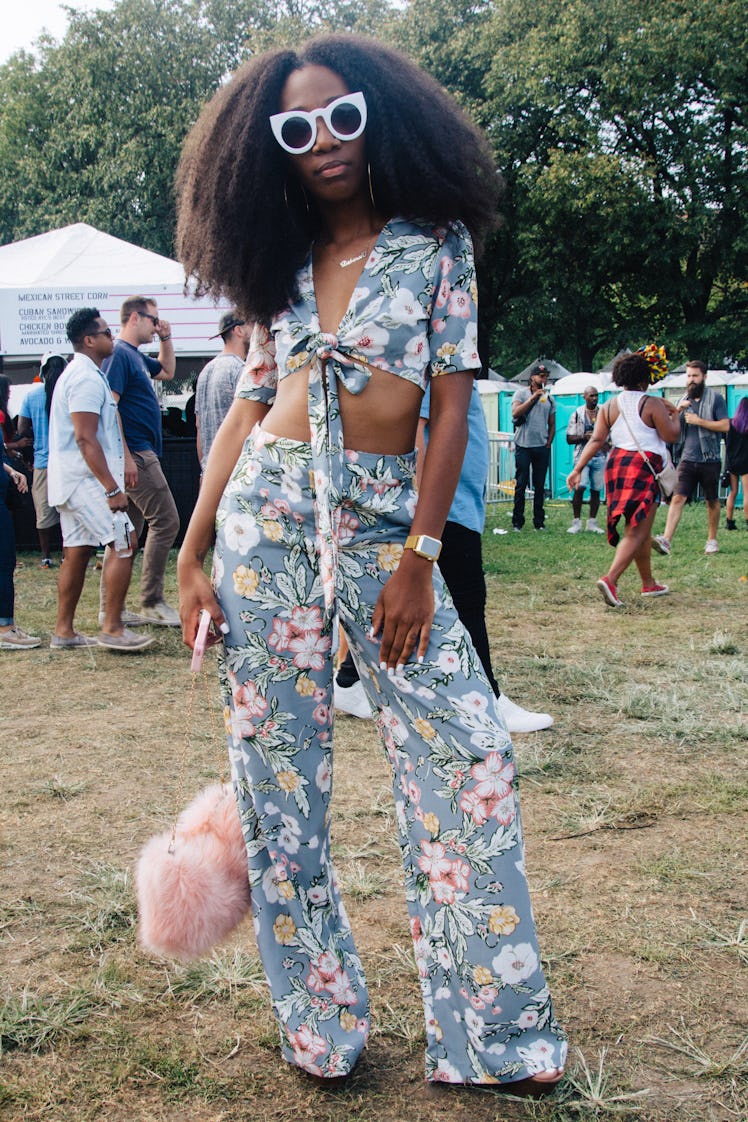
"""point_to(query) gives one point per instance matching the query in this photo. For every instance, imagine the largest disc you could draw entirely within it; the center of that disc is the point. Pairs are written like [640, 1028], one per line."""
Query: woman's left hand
[572, 479]
[404, 611]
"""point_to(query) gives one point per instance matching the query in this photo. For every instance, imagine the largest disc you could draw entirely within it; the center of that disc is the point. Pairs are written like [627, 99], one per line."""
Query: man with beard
[703, 419]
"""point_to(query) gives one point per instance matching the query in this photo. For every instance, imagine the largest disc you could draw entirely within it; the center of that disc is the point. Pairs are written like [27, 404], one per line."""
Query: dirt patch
[634, 808]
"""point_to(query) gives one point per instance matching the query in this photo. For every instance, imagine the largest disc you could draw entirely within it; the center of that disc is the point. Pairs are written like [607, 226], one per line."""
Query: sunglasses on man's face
[106, 331]
[147, 315]
[296, 132]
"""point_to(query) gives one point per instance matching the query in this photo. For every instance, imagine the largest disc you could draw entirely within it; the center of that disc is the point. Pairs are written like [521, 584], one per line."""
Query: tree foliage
[91, 128]
[620, 130]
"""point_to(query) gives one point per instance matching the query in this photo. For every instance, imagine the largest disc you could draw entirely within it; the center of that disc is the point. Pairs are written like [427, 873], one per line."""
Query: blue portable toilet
[568, 394]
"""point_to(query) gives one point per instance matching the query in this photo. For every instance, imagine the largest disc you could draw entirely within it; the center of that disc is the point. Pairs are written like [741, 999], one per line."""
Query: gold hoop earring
[303, 195]
[371, 189]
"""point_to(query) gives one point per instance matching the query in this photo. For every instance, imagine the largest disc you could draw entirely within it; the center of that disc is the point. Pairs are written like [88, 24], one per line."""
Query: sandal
[534, 1086]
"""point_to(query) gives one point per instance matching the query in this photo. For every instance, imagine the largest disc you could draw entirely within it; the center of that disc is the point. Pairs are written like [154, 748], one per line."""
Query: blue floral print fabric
[488, 1011]
[413, 313]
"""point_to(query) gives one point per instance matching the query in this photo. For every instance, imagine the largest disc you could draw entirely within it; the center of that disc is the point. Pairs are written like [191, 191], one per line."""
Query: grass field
[635, 808]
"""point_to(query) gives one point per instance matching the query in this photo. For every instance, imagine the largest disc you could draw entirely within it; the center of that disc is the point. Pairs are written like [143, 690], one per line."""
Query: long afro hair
[245, 226]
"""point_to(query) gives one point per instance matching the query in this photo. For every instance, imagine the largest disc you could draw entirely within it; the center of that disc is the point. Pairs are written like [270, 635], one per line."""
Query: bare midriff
[382, 418]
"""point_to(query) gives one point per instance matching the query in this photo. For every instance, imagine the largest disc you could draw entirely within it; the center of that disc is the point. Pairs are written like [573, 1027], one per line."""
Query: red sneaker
[609, 593]
[655, 590]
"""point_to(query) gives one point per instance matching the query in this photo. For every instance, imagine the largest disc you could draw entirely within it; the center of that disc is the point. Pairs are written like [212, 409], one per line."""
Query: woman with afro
[333, 194]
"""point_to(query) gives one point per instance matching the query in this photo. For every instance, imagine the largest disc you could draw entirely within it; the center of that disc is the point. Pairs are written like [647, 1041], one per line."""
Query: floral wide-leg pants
[488, 1011]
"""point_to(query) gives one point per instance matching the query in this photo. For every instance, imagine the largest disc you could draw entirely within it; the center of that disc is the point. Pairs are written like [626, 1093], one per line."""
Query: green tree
[622, 133]
[91, 129]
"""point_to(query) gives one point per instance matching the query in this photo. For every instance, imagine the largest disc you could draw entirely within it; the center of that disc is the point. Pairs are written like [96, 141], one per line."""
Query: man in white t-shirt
[85, 481]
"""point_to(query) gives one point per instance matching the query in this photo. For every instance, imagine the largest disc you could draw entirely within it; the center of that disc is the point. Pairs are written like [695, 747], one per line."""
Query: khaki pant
[151, 502]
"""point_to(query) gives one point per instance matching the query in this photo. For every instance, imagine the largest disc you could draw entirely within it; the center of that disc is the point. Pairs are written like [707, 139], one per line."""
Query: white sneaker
[592, 527]
[14, 639]
[161, 613]
[575, 527]
[129, 619]
[711, 546]
[352, 700]
[661, 544]
[522, 720]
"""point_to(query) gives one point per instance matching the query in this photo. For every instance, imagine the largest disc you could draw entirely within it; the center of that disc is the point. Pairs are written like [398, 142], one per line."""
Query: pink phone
[200, 638]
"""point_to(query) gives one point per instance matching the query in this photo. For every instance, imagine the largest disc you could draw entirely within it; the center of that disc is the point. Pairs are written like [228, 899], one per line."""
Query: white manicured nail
[399, 668]
[382, 665]
[224, 628]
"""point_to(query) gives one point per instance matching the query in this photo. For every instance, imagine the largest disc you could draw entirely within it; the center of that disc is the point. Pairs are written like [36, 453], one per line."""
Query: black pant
[461, 565]
[525, 459]
[7, 562]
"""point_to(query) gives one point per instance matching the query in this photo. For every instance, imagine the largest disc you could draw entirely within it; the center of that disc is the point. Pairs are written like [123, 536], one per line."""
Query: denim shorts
[593, 474]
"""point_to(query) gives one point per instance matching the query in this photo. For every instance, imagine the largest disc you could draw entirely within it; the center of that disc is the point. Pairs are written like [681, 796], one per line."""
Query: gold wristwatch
[424, 546]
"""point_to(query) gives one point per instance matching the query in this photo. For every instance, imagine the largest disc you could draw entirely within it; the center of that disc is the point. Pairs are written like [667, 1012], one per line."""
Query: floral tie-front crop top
[413, 313]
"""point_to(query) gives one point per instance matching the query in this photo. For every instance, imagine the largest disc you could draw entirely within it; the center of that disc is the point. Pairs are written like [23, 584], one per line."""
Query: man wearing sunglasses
[131, 376]
[85, 481]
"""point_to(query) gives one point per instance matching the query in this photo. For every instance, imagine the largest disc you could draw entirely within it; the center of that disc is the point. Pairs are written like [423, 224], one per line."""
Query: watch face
[424, 546]
[429, 547]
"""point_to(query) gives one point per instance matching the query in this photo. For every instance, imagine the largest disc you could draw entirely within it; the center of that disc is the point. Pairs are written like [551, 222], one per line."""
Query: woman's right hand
[196, 593]
[20, 481]
[195, 589]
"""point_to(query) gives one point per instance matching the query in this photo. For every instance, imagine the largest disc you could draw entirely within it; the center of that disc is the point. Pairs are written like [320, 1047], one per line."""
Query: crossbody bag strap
[642, 453]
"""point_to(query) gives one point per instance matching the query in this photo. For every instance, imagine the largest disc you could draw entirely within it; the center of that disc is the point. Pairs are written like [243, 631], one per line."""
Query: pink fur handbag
[192, 883]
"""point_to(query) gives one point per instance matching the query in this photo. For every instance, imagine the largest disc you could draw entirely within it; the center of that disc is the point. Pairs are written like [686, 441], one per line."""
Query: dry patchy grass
[635, 815]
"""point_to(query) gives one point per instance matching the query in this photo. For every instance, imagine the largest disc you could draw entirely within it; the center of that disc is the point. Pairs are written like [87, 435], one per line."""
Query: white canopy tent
[578, 383]
[714, 378]
[44, 279]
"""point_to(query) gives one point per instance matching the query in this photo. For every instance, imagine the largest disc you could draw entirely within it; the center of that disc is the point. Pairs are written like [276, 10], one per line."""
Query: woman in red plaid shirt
[631, 421]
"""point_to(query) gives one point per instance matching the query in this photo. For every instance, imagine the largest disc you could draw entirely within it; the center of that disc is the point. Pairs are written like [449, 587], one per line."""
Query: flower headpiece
[657, 359]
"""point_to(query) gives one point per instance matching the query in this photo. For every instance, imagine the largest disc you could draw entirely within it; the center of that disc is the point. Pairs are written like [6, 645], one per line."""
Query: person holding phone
[704, 418]
[331, 194]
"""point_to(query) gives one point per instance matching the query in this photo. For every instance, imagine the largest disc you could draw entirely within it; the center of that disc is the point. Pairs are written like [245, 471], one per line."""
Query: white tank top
[649, 439]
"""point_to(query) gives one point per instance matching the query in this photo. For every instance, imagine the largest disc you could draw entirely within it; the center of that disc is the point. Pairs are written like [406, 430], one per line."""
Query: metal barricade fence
[501, 467]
